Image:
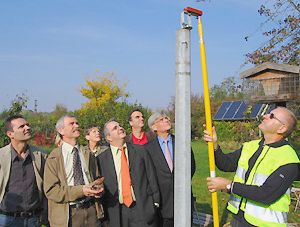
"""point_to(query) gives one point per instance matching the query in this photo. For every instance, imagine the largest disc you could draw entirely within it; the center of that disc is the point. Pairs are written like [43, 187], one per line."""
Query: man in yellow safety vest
[264, 172]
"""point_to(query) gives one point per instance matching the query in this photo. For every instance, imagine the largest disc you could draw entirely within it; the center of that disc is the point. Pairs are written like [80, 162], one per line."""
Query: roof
[269, 66]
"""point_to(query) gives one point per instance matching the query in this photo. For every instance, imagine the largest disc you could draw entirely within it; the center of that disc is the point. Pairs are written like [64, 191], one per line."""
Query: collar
[117, 149]
[275, 144]
[143, 135]
[161, 140]
[15, 155]
[68, 147]
[143, 140]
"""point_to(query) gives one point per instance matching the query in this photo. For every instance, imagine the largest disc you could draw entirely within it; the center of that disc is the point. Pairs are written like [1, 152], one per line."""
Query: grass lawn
[204, 196]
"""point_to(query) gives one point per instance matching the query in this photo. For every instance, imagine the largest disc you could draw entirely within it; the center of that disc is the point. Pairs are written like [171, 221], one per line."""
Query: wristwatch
[228, 187]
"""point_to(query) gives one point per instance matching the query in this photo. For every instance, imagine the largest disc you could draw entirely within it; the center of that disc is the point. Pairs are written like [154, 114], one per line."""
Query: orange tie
[126, 181]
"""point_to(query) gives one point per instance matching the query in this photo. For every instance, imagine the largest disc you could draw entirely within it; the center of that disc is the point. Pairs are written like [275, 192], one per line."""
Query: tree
[59, 110]
[197, 114]
[16, 107]
[229, 89]
[284, 38]
[104, 89]
[100, 115]
[106, 99]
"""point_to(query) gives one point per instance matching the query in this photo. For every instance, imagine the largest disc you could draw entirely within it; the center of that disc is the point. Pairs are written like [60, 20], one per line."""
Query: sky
[49, 48]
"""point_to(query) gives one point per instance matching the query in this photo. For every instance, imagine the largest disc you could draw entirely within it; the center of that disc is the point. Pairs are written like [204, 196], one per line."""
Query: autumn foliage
[102, 90]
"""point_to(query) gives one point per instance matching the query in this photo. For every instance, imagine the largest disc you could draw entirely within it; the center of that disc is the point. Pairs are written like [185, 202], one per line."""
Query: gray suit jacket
[143, 180]
[38, 159]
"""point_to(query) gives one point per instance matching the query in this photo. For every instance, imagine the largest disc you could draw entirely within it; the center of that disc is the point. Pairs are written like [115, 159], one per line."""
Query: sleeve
[53, 188]
[227, 162]
[273, 188]
[44, 214]
[94, 167]
[193, 163]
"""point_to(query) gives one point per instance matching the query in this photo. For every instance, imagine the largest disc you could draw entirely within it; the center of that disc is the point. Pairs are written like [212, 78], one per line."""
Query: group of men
[127, 183]
[130, 182]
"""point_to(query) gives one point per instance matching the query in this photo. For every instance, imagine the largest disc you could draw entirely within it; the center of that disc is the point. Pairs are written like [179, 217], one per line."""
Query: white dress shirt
[67, 152]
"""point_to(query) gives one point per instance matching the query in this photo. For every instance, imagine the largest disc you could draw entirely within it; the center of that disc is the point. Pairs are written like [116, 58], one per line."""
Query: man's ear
[154, 128]
[130, 123]
[87, 137]
[61, 132]
[10, 134]
[282, 129]
[108, 138]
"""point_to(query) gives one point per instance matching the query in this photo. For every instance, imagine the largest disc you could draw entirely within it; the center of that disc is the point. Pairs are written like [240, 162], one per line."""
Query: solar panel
[234, 107]
[222, 110]
[256, 110]
[240, 113]
[240, 110]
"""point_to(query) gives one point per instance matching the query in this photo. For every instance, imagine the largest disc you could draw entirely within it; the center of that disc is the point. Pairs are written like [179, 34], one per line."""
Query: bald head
[278, 124]
[289, 119]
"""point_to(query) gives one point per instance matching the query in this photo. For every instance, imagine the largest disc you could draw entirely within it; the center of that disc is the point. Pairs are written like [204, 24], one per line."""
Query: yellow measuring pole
[211, 155]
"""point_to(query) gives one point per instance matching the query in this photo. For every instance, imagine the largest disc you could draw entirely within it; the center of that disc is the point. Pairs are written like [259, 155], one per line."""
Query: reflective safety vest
[270, 159]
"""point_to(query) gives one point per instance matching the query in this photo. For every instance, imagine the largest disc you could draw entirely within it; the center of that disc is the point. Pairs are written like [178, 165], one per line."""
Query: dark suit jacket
[143, 180]
[165, 176]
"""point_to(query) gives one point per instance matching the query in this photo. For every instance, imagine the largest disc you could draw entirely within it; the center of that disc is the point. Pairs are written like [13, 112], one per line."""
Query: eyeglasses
[272, 116]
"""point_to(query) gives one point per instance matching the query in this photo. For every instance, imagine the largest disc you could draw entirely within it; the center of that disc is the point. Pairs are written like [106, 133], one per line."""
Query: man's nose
[266, 116]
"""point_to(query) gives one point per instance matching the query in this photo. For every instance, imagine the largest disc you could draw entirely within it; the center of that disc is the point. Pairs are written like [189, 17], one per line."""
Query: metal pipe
[182, 188]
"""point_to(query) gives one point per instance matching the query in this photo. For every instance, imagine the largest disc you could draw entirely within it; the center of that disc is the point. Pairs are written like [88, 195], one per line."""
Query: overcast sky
[49, 48]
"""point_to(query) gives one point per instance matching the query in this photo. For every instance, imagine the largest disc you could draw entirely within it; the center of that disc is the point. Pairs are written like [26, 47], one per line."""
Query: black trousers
[131, 218]
[167, 222]
[239, 222]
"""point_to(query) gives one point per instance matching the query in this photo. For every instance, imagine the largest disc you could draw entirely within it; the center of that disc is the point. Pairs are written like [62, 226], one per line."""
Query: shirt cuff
[217, 147]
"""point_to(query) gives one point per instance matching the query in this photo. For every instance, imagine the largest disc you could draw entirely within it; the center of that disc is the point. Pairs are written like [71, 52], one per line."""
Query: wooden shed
[274, 82]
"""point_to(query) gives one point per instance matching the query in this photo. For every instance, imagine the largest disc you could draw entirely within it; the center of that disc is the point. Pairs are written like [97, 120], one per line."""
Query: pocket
[6, 220]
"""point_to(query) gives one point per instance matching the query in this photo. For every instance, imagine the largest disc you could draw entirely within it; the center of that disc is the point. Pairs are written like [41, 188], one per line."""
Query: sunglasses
[272, 116]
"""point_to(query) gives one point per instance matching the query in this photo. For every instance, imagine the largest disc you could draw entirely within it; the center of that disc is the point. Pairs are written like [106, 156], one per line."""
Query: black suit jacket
[165, 176]
[144, 183]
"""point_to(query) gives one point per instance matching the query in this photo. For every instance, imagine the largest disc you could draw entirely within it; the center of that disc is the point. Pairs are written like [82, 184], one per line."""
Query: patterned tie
[126, 181]
[168, 156]
[77, 169]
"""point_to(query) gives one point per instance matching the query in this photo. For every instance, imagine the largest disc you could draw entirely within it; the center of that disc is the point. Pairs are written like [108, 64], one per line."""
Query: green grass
[202, 194]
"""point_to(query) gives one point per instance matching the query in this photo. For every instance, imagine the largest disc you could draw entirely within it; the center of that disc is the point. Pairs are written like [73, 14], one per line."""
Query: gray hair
[105, 129]
[60, 124]
[154, 117]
